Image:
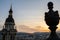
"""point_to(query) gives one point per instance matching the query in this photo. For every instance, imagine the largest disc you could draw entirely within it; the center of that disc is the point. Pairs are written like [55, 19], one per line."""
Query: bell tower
[9, 29]
[9, 23]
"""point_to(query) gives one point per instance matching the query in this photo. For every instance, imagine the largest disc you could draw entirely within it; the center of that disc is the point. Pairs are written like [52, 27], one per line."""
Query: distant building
[24, 36]
[9, 32]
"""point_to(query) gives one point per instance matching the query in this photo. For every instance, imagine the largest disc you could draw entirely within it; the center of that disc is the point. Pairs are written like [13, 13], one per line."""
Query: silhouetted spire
[10, 16]
[10, 11]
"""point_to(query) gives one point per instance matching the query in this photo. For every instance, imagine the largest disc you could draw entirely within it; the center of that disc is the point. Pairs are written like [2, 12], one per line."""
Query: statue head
[50, 5]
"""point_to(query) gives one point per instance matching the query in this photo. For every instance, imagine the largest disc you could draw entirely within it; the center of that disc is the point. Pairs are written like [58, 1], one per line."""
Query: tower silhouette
[9, 30]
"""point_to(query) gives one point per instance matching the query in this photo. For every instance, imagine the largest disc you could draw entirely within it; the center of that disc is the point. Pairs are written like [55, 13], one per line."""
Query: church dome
[9, 20]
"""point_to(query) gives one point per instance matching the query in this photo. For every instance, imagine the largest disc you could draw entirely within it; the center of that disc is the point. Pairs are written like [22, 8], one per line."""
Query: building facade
[9, 31]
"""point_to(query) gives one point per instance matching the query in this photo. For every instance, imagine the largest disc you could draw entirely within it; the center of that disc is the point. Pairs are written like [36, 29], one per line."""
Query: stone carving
[52, 20]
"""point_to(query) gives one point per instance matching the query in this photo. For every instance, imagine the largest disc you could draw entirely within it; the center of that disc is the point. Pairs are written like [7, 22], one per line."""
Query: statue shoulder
[46, 13]
[56, 11]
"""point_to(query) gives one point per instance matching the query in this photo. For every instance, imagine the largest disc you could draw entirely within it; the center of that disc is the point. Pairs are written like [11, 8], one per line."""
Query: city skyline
[28, 14]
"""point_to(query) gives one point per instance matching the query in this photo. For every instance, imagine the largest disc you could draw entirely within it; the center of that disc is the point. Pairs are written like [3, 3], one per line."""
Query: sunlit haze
[28, 14]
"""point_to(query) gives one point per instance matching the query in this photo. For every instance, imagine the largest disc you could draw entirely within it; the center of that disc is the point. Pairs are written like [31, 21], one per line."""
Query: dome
[10, 17]
[9, 20]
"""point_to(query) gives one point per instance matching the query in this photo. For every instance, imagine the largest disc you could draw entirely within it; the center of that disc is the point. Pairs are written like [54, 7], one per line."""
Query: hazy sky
[28, 14]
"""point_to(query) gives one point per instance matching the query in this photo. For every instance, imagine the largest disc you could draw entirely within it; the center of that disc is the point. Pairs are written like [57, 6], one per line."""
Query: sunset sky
[28, 14]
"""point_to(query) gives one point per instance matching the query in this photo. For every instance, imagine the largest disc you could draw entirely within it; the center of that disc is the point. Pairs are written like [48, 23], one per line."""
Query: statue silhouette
[52, 20]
